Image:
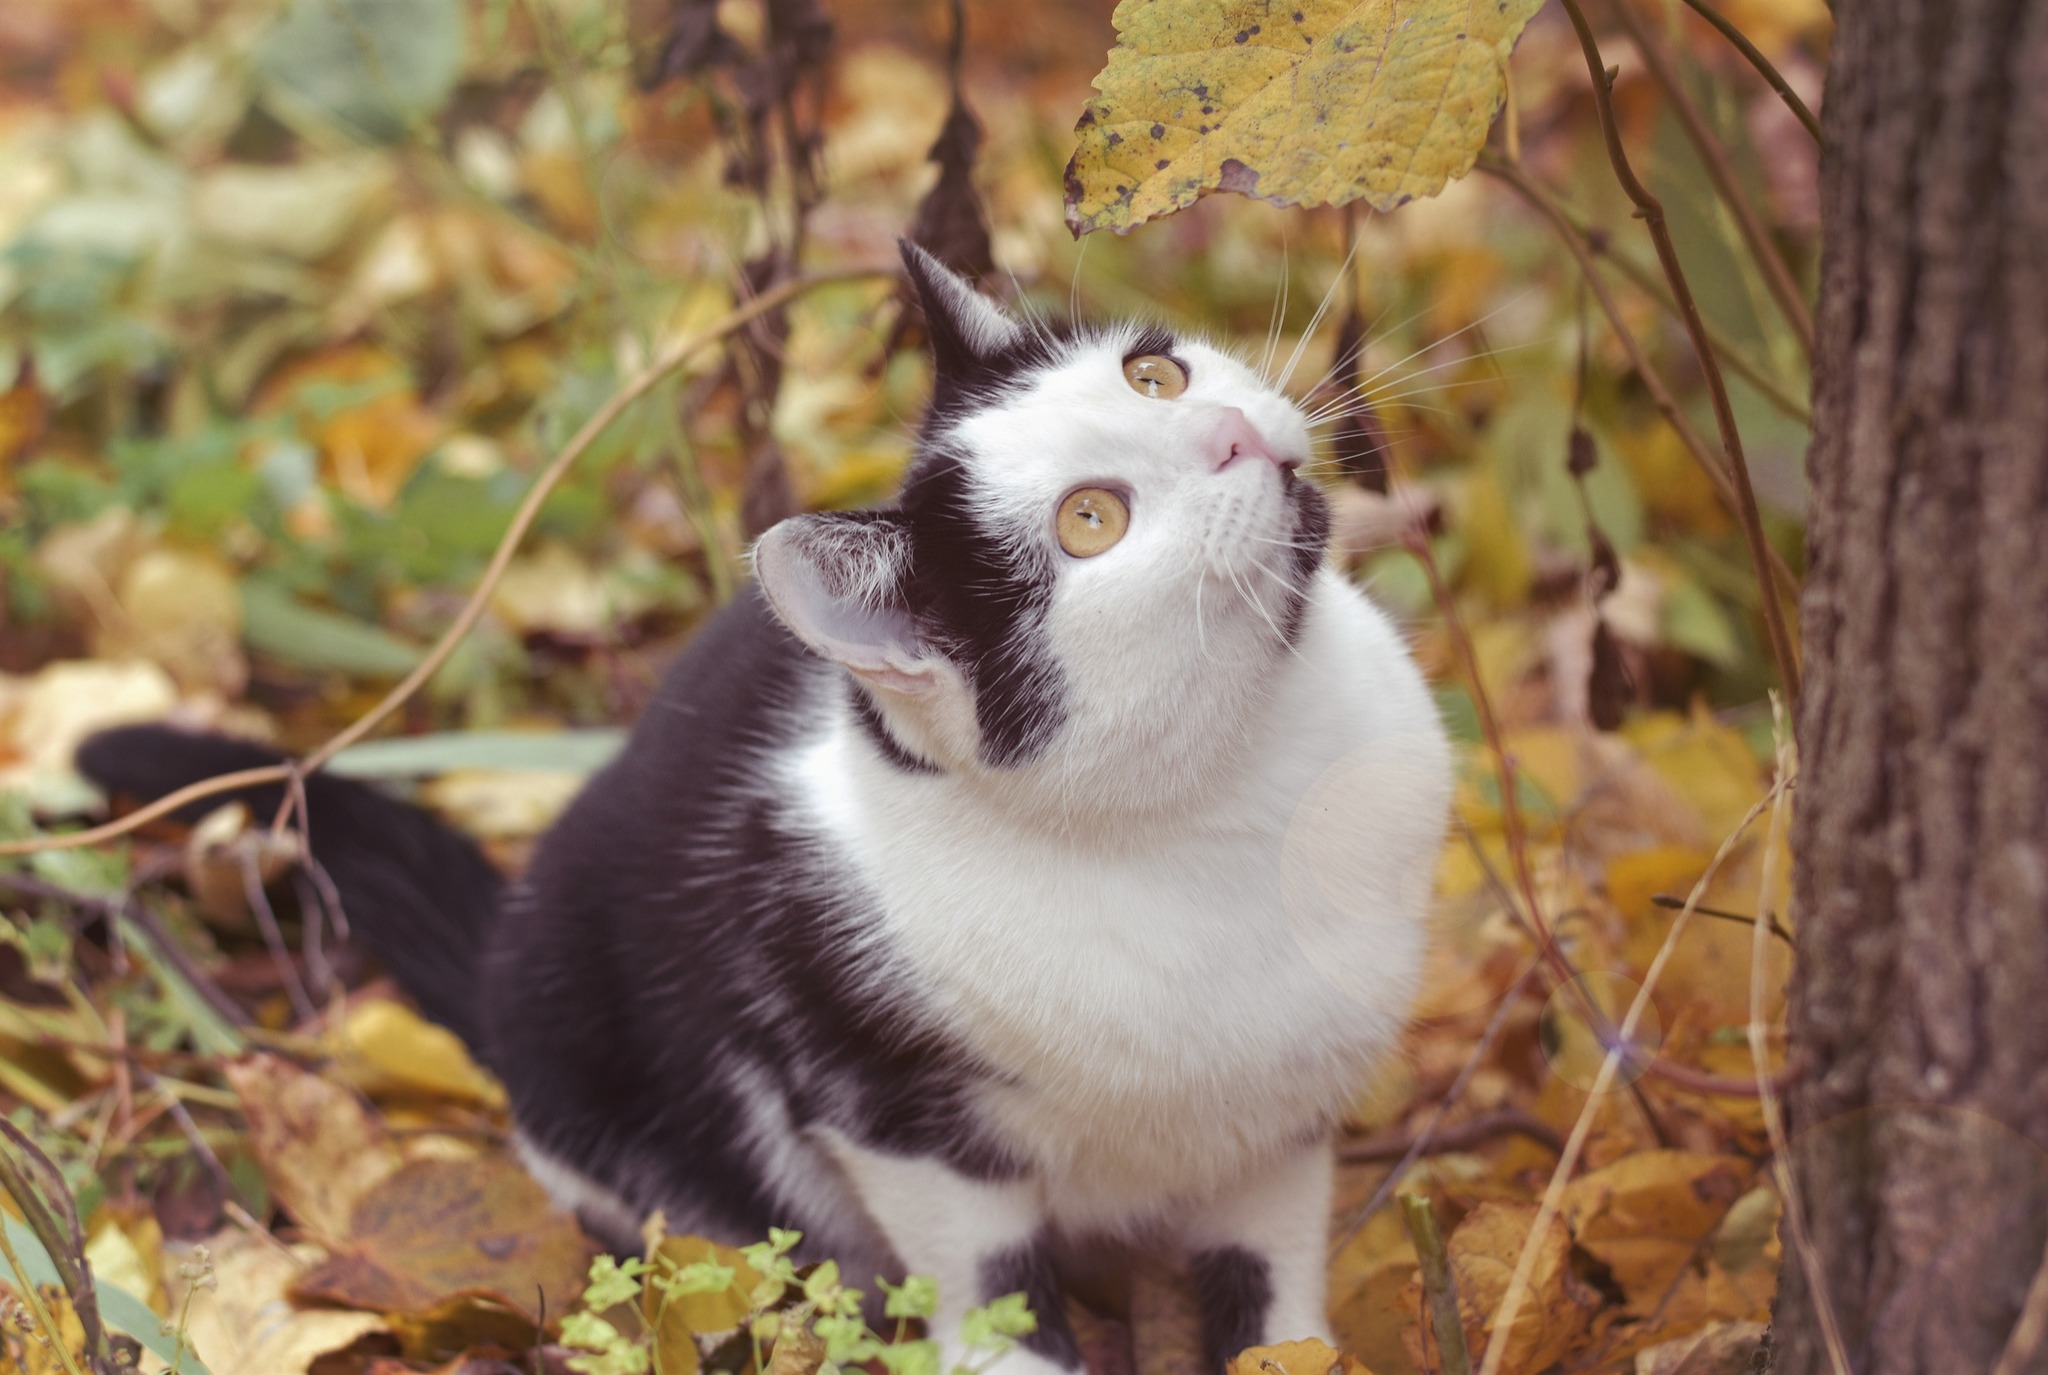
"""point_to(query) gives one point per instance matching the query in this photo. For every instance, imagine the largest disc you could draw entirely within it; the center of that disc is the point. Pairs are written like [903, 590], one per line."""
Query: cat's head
[1102, 553]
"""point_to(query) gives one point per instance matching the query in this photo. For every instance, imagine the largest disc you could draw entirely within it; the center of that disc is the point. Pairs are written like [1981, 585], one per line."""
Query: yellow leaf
[242, 1324]
[392, 1049]
[319, 1148]
[1557, 1306]
[1309, 1357]
[1318, 102]
[1645, 1215]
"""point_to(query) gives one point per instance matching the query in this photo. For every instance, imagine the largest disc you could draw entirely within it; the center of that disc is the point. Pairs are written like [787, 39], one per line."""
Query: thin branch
[1581, 249]
[1762, 64]
[1670, 903]
[667, 362]
[1438, 1289]
[1476, 1131]
[1652, 213]
[1721, 172]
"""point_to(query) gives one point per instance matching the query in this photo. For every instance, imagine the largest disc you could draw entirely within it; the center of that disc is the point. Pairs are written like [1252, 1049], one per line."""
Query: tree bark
[1920, 1005]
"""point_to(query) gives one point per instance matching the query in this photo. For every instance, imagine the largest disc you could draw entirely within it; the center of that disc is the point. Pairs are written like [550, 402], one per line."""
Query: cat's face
[1100, 556]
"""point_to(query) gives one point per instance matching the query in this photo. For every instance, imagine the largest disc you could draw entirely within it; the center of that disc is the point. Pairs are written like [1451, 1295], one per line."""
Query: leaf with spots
[1298, 102]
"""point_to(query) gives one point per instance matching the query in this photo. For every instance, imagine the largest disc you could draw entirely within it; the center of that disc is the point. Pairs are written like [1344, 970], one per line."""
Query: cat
[1037, 862]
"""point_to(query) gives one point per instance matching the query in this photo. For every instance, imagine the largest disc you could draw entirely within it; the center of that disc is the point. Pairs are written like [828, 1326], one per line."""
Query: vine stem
[670, 359]
[1651, 211]
[1763, 65]
[1721, 172]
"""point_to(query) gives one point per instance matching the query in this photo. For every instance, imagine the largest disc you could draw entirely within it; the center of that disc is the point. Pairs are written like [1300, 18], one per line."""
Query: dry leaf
[1319, 102]
[1557, 1306]
[320, 1149]
[390, 1049]
[1725, 1349]
[1296, 1358]
[1646, 1216]
[438, 1228]
[244, 1324]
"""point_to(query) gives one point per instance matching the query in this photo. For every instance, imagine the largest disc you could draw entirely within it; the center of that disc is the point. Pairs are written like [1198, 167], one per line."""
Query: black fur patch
[1310, 538]
[1234, 1289]
[1030, 1270]
[983, 601]
[675, 965]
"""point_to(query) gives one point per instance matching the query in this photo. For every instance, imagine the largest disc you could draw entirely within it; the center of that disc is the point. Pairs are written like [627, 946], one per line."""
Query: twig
[667, 362]
[1714, 158]
[1759, 1055]
[1651, 211]
[1518, 1283]
[273, 936]
[1576, 243]
[1670, 903]
[1438, 1288]
[1467, 1134]
[1762, 64]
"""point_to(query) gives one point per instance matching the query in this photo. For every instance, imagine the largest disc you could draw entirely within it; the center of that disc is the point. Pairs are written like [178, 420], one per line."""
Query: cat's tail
[418, 894]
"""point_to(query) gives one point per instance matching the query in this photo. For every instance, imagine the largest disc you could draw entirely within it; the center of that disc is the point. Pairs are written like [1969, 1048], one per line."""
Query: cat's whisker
[1275, 320]
[1322, 309]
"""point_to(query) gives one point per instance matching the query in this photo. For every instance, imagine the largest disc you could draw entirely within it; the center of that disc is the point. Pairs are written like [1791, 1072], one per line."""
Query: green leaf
[419, 756]
[278, 625]
[122, 1310]
[1317, 102]
[371, 67]
[916, 1297]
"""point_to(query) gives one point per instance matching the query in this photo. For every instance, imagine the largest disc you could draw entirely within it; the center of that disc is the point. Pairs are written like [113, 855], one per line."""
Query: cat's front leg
[1258, 1255]
[979, 1238]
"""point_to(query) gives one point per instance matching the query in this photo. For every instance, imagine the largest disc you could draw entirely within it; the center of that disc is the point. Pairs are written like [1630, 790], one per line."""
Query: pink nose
[1236, 437]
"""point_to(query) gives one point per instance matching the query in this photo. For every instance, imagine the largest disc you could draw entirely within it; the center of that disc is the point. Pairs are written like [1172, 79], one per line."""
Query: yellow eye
[1091, 519]
[1156, 376]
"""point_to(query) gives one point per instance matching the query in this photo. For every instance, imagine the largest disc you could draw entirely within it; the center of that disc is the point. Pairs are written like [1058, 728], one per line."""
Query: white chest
[1168, 1005]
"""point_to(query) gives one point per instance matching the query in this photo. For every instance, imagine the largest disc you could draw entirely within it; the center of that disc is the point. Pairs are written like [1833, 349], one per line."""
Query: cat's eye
[1091, 519]
[1155, 375]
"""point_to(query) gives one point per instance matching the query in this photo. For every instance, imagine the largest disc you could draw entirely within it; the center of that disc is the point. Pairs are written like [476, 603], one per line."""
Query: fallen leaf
[1318, 103]
[390, 1049]
[243, 1323]
[320, 1149]
[1724, 1349]
[438, 1228]
[1557, 1307]
[1296, 1358]
[1646, 1216]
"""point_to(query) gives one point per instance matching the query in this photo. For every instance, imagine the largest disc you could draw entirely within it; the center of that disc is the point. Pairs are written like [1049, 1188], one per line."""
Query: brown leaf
[1557, 1307]
[438, 1228]
[1727, 1348]
[1646, 1216]
[320, 1149]
[1296, 1358]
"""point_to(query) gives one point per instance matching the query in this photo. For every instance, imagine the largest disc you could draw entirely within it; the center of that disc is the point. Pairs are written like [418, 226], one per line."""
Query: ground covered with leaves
[305, 304]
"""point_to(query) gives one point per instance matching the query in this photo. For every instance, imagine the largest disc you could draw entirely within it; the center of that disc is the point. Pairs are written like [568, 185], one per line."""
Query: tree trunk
[1920, 1006]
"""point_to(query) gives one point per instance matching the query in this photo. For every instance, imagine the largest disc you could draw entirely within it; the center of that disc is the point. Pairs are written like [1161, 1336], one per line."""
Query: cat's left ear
[965, 326]
[836, 580]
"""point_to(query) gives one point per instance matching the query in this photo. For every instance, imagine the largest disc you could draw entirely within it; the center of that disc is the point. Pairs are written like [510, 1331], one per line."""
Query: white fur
[1186, 931]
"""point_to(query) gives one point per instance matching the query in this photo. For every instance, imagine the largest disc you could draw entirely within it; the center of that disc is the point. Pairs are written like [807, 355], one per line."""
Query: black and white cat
[1040, 860]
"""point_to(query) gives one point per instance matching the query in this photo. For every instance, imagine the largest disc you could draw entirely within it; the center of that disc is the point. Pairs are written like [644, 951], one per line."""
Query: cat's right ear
[965, 326]
[836, 580]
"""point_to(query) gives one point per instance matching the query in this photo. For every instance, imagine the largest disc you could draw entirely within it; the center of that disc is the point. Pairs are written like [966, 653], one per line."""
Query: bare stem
[1652, 212]
[1762, 64]
[1721, 172]
[1438, 1289]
